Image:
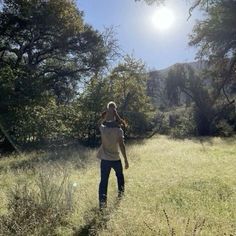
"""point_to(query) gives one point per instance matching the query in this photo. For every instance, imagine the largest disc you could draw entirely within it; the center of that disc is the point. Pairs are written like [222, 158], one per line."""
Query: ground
[173, 187]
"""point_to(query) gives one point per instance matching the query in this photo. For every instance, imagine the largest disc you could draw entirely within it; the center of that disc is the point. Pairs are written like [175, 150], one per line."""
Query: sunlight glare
[163, 18]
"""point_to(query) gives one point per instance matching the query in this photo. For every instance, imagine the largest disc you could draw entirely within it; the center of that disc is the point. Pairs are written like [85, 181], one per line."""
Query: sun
[163, 18]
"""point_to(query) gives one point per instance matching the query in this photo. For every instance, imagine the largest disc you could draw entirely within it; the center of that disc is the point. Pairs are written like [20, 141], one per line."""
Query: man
[112, 138]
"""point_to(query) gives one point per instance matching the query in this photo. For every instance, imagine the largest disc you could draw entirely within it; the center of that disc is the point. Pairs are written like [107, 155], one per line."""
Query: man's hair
[111, 103]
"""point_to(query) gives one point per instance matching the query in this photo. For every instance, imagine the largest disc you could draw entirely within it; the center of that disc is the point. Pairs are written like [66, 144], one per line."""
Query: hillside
[173, 187]
[196, 65]
[156, 83]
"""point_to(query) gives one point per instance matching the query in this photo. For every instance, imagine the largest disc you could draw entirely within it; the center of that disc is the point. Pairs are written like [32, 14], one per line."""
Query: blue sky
[136, 33]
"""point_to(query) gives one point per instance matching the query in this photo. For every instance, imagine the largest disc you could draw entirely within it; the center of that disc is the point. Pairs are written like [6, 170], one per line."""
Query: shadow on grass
[228, 141]
[210, 140]
[136, 141]
[97, 222]
[80, 156]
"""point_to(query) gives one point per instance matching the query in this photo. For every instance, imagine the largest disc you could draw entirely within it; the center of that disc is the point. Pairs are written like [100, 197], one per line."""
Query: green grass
[173, 187]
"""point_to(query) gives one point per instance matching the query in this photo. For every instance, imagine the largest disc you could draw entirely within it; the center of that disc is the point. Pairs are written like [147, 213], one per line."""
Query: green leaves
[215, 36]
[46, 49]
[49, 39]
[128, 85]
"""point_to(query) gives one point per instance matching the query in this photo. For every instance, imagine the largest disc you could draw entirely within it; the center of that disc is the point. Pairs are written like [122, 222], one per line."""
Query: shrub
[38, 209]
[223, 128]
[182, 123]
[138, 123]
[161, 123]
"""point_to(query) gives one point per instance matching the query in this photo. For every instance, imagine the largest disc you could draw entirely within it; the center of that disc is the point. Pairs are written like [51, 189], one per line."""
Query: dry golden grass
[173, 187]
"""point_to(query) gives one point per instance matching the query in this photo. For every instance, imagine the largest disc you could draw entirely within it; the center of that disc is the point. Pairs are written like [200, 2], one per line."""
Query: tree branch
[197, 3]
[223, 89]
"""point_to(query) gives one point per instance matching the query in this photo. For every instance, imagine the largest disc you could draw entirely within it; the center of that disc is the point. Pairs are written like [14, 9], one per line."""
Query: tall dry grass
[173, 187]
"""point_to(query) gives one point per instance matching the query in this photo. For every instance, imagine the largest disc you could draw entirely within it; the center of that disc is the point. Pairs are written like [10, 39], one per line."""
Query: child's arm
[119, 119]
[103, 117]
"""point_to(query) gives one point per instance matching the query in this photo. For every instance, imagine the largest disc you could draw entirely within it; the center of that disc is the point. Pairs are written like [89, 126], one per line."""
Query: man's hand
[126, 164]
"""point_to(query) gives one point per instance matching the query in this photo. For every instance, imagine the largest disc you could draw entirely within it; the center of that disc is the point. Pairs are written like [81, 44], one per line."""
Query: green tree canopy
[45, 50]
[215, 37]
[49, 42]
[128, 88]
[128, 83]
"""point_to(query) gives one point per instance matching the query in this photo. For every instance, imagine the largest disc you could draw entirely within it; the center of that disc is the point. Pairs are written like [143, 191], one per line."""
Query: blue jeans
[105, 172]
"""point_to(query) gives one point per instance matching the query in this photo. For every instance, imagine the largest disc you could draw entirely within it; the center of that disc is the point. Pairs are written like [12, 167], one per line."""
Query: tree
[215, 37]
[183, 78]
[201, 89]
[213, 91]
[128, 86]
[49, 41]
[173, 81]
[45, 50]
[156, 89]
[128, 83]
[91, 104]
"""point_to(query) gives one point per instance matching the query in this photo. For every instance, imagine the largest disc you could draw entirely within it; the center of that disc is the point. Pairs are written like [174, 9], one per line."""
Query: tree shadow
[80, 156]
[98, 222]
[230, 140]
[210, 140]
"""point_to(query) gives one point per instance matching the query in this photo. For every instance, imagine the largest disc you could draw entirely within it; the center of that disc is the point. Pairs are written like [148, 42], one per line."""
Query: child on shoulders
[111, 118]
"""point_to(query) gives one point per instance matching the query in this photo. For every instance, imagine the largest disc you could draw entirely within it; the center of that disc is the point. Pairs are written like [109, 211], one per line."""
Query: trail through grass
[173, 187]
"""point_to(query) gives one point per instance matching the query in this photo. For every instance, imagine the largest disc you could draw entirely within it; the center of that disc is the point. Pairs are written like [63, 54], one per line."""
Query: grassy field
[173, 187]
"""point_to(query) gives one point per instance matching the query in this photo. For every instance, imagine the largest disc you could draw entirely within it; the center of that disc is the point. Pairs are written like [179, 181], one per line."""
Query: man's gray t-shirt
[109, 149]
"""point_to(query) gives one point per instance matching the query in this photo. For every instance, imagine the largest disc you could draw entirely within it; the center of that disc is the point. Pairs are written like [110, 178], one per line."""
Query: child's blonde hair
[111, 103]
[118, 118]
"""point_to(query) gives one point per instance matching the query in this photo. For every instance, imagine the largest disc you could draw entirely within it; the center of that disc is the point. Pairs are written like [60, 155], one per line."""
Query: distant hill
[156, 82]
[196, 65]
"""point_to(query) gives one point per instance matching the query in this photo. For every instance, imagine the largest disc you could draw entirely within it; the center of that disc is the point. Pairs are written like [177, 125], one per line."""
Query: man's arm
[123, 151]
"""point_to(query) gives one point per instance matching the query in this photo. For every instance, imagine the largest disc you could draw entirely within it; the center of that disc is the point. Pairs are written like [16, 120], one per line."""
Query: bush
[182, 130]
[39, 209]
[223, 128]
[161, 123]
[182, 124]
[138, 123]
